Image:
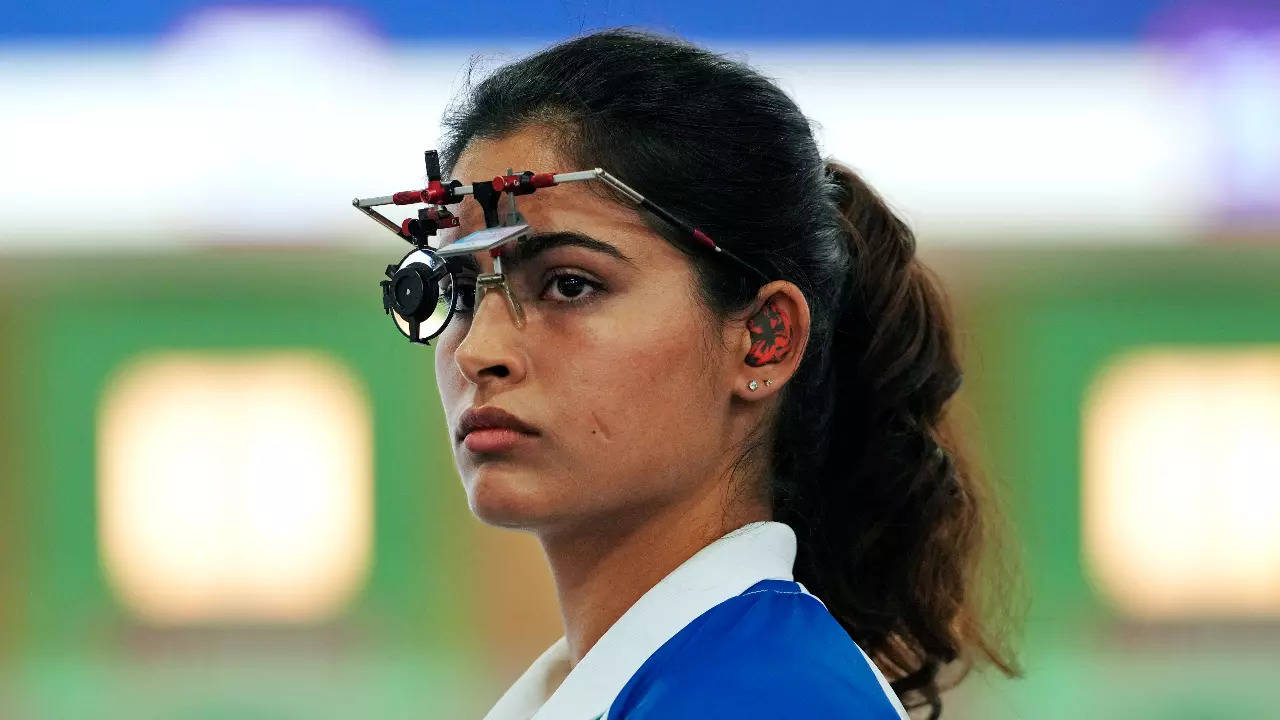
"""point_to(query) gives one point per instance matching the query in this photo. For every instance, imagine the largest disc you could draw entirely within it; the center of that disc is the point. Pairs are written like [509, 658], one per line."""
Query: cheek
[636, 381]
[449, 379]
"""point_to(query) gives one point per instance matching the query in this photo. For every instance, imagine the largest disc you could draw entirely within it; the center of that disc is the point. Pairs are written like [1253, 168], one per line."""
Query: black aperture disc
[419, 295]
[415, 291]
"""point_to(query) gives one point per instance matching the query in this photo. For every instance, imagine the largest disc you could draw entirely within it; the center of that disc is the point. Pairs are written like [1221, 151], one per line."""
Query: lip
[491, 429]
[496, 440]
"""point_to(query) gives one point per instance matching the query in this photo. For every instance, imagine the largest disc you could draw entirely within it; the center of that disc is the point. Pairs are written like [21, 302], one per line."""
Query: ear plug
[770, 336]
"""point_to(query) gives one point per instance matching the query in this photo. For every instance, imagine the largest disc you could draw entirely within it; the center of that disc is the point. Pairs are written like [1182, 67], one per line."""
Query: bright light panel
[978, 143]
[1182, 483]
[234, 488]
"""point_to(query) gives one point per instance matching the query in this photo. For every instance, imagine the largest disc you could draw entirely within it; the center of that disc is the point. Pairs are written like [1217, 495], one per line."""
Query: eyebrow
[537, 243]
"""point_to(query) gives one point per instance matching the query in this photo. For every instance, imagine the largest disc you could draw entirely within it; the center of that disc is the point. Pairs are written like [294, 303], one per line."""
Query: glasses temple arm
[690, 232]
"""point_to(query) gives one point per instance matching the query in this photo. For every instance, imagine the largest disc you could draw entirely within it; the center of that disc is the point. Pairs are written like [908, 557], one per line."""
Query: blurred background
[225, 490]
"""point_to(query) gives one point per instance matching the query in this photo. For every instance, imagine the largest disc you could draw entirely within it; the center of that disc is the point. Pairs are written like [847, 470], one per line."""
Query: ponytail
[891, 536]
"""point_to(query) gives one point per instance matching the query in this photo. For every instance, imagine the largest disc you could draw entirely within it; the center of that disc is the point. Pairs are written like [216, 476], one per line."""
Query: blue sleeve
[759, 655]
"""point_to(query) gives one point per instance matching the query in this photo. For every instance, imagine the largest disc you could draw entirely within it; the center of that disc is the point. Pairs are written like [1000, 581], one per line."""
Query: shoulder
[773, 651]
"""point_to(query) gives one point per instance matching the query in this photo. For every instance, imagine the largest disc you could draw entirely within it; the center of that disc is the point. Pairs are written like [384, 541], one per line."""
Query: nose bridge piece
[496, 282]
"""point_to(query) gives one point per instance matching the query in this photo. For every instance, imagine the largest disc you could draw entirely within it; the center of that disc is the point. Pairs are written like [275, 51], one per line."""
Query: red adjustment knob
[522, 184]
[439, 193]
[405, 228]
[435, 192]
[504, 183]
[407, 197]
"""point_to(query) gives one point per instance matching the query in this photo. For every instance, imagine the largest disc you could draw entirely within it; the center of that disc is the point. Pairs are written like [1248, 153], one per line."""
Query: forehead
[572, 206]
[530, 148]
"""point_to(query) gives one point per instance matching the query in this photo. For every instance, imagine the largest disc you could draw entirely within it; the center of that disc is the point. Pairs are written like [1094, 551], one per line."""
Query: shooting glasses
[424, 290]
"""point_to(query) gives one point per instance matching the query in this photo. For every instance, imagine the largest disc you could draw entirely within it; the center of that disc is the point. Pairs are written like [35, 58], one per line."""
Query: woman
[741, 482]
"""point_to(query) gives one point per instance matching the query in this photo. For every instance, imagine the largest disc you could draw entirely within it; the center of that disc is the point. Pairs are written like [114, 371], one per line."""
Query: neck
[602, 571]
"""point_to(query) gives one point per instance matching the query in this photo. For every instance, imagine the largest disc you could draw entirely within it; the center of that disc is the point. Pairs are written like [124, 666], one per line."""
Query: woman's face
[618, 369]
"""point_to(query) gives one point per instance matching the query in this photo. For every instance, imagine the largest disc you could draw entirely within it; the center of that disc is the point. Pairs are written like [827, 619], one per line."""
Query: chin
[506, 497]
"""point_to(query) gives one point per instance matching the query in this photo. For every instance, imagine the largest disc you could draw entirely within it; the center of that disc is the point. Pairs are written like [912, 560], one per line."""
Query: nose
[492, 349]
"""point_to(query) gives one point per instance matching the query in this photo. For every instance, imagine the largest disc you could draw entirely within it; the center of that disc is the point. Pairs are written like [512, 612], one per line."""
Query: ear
[771, 337]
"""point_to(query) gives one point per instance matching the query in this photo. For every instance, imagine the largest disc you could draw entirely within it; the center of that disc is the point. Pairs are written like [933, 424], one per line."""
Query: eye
[569, 287]
[464, 295]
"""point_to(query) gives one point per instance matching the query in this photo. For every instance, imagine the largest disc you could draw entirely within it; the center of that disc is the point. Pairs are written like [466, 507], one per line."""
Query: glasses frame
[439, 194]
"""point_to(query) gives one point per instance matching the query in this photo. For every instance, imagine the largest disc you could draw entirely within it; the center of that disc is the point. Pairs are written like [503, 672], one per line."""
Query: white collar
[758, 551]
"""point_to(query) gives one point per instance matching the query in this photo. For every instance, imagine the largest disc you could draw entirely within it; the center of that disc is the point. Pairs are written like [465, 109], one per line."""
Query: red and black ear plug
[770, 335]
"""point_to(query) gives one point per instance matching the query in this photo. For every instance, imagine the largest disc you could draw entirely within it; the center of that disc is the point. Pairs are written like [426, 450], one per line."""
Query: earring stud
[753, 385]
[768, 383]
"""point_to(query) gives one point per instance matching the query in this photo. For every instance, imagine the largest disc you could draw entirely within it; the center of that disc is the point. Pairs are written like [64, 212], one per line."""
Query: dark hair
[889, 521]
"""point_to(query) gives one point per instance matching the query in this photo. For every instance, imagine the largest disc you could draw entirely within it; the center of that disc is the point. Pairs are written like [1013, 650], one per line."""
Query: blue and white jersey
[726, 634]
